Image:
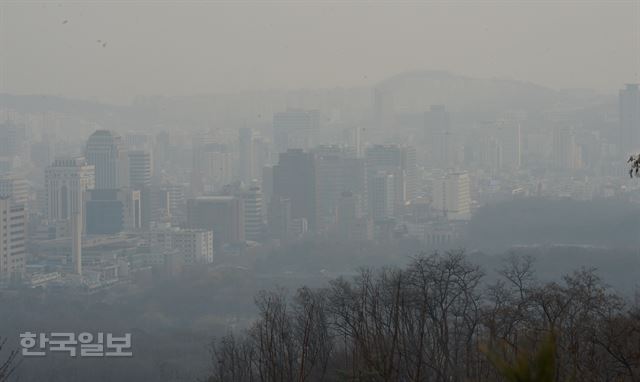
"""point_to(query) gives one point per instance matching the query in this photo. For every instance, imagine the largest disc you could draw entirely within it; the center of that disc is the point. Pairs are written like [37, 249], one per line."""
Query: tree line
[437, 319]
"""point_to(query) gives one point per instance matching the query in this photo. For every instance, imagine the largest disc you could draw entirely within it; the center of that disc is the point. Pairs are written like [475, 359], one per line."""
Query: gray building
[106, 151]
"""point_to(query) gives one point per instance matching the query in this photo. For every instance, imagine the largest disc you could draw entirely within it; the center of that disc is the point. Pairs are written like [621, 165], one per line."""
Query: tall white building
[13, 229]
[106, 151]
[452, 196]
[253, 214]
[14, 188]
[567, 154]
[66, 181]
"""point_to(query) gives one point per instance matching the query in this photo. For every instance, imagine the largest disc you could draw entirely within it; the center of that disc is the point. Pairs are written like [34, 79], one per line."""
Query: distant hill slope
[413, 91]
[604, 223]
[410, 92]
[43, 103]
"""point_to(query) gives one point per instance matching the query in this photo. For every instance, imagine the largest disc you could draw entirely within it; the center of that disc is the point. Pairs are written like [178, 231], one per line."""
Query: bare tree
[431, 321]
[9, 365]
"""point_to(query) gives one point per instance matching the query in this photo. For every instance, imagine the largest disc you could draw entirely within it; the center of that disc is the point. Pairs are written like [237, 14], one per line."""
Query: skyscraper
[110, 211]
[279, 218]
[452, 197]
[336, 172]
[105, 150]
[140, 169]
[213, 165]
[399, 161]
[14, 188]
[294, 179]
[253, 214]
[444, 149]
[13, 234]
[224, 215]
[66, 181]
[383, 108]
[76, 242]
[12, 139]
[381, 195]
[140, 172]
[566, 153]
[246, 153]
[295, 129]
[629, 100]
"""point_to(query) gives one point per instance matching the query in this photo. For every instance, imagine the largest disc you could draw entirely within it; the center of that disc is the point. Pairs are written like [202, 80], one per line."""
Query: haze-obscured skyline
[197, 47]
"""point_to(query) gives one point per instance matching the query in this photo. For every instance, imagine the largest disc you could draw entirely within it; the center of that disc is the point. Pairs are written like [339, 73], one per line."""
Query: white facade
[194, 245]
[253, 214]
[452, 197]
[13, 220]
[14, 188]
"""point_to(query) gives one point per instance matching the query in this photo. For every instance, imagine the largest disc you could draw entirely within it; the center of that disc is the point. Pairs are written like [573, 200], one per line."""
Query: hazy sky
[177, 48]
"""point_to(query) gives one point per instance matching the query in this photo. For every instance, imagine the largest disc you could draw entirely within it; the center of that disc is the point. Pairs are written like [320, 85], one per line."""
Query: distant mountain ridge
[415, 90]
[412, 92]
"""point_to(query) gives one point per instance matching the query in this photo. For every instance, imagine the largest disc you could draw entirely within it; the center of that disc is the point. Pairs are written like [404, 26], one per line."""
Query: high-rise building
[12, 139]
[138, 141]
[15, 188]
[336, 171]
[382, 195]
[177, 203]
[629, 100]
[66, 183]
[160, 205]
[253, 214]
[294, 179]
[399, 161]
[213, 166]
[246, 154]
[76, 242]
[567, 153]
[111, 211]
[140, 169]
[140, 172]
[350, 222]
[353, 138]
[295, 129]
[13, 240]
[106, 151]
[224, 215]
[452, 196]
[444, 149]
[383, 108]
[279, 218]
